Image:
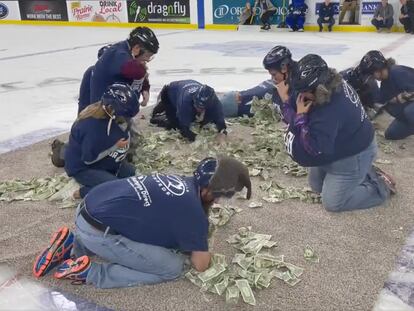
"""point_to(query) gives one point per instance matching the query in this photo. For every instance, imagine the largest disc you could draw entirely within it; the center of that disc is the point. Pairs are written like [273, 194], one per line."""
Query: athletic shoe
[329, 28]
[59, 250]
[57, 160]
[387, 179]
[300, 30]
[76, 270]
[320, 29]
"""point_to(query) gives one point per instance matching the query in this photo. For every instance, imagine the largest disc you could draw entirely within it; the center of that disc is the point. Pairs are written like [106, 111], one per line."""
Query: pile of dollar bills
[251, 268]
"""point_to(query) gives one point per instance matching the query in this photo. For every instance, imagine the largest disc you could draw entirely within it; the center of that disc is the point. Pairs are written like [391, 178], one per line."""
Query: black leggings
[266, 16]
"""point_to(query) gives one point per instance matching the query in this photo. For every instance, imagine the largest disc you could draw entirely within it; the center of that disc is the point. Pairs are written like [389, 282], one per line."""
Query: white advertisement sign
[9, 10]
[111, 11]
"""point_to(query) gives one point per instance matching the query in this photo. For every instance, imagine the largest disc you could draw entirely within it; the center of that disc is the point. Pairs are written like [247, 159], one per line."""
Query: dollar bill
[246, 292]
[232, 294]
[211, 272]
[310, 254]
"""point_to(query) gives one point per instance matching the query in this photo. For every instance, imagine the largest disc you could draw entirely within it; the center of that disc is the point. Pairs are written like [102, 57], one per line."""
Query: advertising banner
[9, 10]
[112, 11]
[51, 10]
[228, 12]
[159, 11]
[367, 11]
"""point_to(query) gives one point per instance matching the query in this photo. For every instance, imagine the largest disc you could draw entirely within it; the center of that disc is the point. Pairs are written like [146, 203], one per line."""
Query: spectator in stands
[326, 15]
[348, 5]
[297, 14]
[246, 15]
[383, 17]
[407, 15]
[268, 10]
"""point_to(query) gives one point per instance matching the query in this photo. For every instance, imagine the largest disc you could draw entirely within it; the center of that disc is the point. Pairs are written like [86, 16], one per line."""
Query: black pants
[330, 22]
[266, 17]
[408, 27]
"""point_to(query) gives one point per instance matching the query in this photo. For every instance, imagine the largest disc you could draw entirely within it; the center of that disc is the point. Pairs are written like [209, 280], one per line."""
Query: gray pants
[128, 263]
[350, 183]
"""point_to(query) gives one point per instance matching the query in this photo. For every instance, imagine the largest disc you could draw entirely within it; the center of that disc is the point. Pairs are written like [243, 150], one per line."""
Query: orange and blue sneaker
[74, 269]
[58, 251]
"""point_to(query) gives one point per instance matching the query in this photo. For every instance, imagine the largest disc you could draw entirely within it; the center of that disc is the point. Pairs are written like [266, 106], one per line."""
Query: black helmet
[372, 61]
[277, 58]
[311, 71]
[103, 49]
[144, 37]
[203, 96]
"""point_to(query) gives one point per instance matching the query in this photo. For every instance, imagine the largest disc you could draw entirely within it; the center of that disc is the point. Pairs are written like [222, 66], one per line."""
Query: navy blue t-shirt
[85, 90]
[90, 146]
[117, 65]
[162, 210]
[400, 79]
[336, 130]
[181, 93]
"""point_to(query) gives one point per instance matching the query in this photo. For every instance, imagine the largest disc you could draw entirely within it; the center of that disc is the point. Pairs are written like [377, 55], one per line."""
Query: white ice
[41, 67]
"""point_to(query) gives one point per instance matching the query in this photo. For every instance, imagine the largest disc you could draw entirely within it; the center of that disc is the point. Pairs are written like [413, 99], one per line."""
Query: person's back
[162, 210]
[338, 128]
[85, 90]
[108, 69]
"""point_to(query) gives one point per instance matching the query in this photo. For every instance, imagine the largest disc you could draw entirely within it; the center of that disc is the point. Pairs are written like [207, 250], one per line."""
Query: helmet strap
[111, 118]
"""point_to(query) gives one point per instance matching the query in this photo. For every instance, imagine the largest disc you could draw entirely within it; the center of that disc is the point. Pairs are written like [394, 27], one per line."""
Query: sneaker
[57, 146]
[320, 29]
[291, 30]
[387, 179]
[76, 270]
[330, 28]
[300, 30]
[58, 251]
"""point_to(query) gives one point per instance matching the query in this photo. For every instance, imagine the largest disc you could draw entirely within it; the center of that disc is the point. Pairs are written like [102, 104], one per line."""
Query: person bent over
[181, 103]
[144, 228]
[396, 92]
[99, 139]
[268, 10]
[324, 117]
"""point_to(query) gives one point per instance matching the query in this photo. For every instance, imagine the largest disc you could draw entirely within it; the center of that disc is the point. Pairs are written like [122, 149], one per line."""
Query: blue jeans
[383, 24]
[128, 263]
[350, 183]
[92, 177]
[403, 125]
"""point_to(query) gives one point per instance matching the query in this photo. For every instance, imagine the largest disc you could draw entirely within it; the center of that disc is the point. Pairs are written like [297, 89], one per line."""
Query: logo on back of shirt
[289, 138]
[137, 183]
[353, 97]
[171, 184]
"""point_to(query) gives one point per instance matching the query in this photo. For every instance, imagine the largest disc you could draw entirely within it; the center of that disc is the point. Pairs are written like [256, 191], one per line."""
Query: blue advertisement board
[228, 12]
[368, 8]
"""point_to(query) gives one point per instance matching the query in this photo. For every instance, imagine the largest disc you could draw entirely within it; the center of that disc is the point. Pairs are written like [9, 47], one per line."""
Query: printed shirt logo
[171, 184]
[353, 97]
[137, 183]
[4, 10]
[289, 138]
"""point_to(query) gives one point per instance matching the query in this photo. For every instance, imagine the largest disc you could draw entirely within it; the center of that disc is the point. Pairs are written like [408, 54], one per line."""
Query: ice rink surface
[41, 67]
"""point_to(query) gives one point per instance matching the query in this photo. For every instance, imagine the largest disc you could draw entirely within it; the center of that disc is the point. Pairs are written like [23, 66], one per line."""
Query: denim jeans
[91, 177]
[350, 183]
[128, 263]
[403, 125]
[383, 24]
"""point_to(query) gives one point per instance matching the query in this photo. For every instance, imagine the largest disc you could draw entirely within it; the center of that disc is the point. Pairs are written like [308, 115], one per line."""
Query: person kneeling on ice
[99, 139]
[279, 63]
[58, 147]
[144, 227]
[181, 103]
[297, 14]
[396, 92]
[329, 131]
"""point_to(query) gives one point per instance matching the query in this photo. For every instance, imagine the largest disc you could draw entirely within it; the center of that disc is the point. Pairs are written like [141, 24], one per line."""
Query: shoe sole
[73, 271]
[56, 242]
